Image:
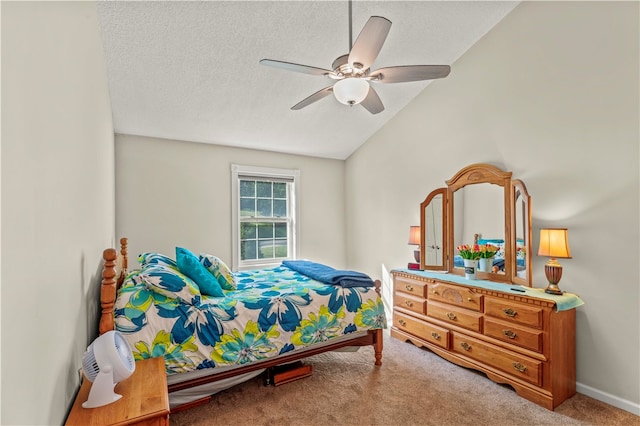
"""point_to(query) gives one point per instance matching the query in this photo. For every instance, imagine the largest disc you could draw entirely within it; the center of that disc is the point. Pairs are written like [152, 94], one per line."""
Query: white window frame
[240, 171]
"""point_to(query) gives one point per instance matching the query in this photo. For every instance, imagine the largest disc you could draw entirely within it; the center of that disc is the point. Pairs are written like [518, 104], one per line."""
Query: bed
[262, 319]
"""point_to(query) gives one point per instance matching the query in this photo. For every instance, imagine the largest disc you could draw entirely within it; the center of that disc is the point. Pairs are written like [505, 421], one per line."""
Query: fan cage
[90, 365]
[116, 341]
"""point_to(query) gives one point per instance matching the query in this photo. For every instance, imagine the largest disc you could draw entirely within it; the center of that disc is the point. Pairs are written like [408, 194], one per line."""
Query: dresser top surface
[563, 302]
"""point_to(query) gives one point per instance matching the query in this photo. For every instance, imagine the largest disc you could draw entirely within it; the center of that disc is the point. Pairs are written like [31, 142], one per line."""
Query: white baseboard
[617, 402]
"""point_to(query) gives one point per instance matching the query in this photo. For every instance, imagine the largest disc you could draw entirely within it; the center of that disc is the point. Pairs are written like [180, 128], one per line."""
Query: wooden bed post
[108, 290]
[114, 272]
[124, 258]
[377, 344]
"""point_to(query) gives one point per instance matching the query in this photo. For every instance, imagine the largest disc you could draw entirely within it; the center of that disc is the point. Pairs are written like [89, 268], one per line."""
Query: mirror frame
[423, 239]
[471, 175]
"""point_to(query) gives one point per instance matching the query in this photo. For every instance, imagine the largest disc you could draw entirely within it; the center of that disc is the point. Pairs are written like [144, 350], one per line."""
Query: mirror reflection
[434, 227]
[522, 233]
[433, 232]
[479, 219]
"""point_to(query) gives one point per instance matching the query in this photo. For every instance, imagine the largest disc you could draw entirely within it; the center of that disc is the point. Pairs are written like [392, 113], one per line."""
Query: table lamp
[554, 243]
[414, 240]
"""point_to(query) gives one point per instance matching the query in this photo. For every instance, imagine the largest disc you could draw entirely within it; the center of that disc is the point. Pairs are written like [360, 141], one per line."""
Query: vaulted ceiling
[190, 70]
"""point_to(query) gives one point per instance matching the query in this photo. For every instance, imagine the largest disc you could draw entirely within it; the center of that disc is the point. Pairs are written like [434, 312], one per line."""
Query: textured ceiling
[190, 70]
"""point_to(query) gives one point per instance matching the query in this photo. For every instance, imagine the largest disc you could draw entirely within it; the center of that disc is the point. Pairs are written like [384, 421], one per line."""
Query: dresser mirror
[432, 223]
[481, 204]
[522, 233]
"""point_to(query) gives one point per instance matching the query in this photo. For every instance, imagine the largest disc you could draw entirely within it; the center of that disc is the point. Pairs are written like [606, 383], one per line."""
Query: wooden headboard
[114, 271]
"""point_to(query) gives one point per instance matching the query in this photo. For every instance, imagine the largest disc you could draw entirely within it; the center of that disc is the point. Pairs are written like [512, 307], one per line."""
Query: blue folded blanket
[328, 275]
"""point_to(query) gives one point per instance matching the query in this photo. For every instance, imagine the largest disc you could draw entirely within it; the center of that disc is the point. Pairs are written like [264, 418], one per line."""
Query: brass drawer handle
[469, 299]
[521, 368]
[409, 303]
[451, 316]
[408, 287]
[465, 346]
[510, 334]
[510, 312]
[402, 322]
[434, 291]
[435, 335]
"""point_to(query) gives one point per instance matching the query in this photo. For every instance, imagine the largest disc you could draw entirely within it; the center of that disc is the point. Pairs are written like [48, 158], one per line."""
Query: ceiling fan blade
[372, 102]
[313, 98]
[306, 69]
[369, 42]
[407, 73]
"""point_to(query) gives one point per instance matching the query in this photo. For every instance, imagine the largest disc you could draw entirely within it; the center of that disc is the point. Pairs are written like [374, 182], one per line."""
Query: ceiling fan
[352, 71]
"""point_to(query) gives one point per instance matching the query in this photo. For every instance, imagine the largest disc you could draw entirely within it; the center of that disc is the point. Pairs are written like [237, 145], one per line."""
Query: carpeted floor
[412, 387]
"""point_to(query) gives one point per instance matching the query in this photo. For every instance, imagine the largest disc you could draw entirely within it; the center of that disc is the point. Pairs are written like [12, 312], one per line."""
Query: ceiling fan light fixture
[351, 90]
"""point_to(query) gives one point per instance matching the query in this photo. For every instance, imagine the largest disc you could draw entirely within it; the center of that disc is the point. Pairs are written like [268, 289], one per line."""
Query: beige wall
[58, 210]
[171, 193]
[551, 93]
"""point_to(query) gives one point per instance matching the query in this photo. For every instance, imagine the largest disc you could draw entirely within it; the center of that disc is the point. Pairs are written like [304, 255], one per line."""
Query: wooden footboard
[114, 273]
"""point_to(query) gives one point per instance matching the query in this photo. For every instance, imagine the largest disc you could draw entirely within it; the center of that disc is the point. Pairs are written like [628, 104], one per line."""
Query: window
[264, 216]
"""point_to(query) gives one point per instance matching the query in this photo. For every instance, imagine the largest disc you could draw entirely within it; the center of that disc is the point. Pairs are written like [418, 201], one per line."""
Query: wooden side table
[144, 402]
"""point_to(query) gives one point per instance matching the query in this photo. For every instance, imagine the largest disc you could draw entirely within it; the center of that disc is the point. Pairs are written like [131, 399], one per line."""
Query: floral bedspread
[271, 312]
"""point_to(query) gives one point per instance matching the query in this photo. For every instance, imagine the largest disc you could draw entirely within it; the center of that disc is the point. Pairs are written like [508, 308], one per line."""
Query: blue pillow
[190, 265]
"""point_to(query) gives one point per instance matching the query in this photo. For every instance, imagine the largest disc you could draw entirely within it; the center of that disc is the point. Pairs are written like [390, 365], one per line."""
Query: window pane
[248, 250]
[281, 230]
[266, 249]
[279, 190]
[247, 188]
[247, 231]
[279, 208]
[247, 207]
[265, 230]
[264, 189]
[280, 248]
[264, 207]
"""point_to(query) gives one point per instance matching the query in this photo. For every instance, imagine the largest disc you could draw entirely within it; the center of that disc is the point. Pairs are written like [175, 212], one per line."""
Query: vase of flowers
[470, 255]
[487, 253]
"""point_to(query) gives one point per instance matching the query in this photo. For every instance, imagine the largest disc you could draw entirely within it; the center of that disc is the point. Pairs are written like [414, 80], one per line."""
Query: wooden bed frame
[113, 274]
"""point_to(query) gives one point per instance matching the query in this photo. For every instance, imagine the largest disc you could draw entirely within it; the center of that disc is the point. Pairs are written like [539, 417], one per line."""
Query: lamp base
[416, 255]
[553, 272]
[553, 289]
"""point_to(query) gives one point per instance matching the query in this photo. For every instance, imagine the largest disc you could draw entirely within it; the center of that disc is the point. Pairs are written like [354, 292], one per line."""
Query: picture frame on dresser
[499, 323]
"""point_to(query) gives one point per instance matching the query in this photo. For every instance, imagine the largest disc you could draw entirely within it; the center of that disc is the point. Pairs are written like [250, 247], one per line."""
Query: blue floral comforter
[271, 312]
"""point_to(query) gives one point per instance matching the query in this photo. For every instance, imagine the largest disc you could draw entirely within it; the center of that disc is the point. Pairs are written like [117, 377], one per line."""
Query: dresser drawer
[455, 295]
[513, 312]
[412, 303]
[511, 333]
[407, 285]
[515, 365]
[422, 329]
[454, 315]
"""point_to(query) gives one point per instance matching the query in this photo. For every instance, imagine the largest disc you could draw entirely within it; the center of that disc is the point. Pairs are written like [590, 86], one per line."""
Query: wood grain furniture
[114, 272]
[144, 400]
[512, 337]
[497, 324]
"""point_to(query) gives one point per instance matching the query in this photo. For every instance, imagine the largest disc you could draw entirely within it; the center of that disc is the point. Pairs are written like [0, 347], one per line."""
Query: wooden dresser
[518, 338]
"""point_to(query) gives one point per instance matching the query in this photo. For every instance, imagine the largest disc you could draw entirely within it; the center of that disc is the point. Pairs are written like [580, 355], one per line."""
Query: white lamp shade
[351, 90]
